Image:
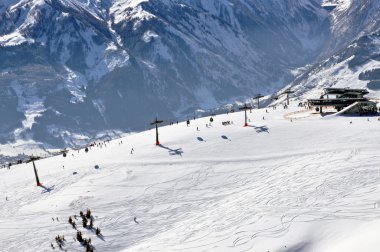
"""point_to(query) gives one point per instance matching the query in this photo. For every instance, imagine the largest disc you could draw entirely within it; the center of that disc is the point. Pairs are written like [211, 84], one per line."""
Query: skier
[88, 213]
[135, 220]
[88, 247]
[97, 231]
[79, 236]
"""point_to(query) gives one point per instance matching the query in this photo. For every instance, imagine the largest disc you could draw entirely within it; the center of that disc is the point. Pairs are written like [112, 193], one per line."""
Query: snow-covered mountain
[350, 20]
[356, 66]
[70, 69]
[350, 57]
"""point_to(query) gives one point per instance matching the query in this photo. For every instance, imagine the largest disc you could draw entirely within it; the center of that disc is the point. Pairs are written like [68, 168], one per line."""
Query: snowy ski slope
[311, 184]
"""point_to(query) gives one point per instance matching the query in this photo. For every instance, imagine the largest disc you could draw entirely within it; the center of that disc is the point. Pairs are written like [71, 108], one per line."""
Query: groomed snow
[311, 184]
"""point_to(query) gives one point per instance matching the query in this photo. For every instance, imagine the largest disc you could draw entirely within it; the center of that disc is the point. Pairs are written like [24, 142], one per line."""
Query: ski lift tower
[32, 159]
[258, 97]
[287, 92]
[157, 122]
[245, 108]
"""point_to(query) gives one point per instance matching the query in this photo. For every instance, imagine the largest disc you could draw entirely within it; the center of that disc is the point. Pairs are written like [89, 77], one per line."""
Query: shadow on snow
[200, 139]
[47, 189]
[172, 152]
[226, 138]
[260, 129]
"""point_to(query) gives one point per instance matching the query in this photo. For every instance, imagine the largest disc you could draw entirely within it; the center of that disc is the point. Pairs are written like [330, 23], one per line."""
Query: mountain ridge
[98, 66]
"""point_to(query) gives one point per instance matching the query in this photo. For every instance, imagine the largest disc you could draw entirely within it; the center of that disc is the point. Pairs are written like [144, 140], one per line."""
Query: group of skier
[60, 240]
[88, 223]
[85, 242]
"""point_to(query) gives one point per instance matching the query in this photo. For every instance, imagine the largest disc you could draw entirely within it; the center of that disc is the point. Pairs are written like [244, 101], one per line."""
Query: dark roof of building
[345, 91]
[338, 102]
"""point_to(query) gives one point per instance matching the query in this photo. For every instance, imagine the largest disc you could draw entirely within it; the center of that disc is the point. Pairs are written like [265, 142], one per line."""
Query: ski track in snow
[264, 189]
